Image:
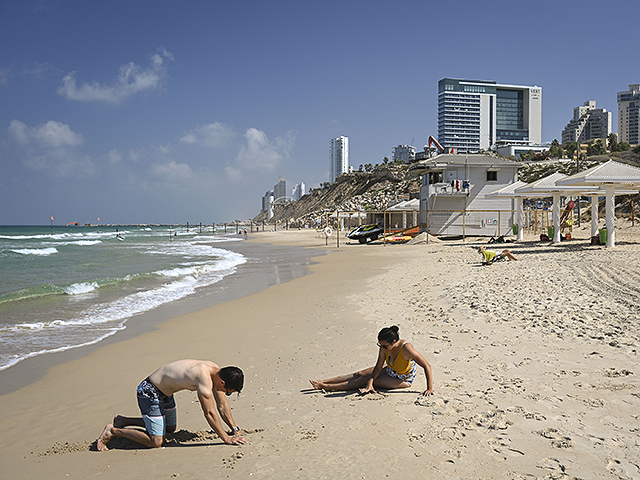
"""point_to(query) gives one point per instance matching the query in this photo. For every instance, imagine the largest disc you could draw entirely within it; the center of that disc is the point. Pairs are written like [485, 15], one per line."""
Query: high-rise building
[475, 115]
[298, 191]
[266, 199]
[280, 191]
[404, 153]
[338, 157]
[629, 115]
[588, 123]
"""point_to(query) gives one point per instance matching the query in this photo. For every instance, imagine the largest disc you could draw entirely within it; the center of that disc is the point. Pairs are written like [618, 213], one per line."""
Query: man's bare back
[157, 405]
[185, 375]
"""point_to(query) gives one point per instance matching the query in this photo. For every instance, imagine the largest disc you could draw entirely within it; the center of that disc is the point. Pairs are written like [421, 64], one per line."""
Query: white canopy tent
[550, 186]
[614, 177]
[509, 192]
[547, 186]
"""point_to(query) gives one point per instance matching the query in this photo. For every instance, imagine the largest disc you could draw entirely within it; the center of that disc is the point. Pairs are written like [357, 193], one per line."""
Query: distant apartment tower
[588, 123]
[629, 115]
[268, 196]
[338, 157]
[280, 191]
[404, 153]
[474, 115]
[298, 191]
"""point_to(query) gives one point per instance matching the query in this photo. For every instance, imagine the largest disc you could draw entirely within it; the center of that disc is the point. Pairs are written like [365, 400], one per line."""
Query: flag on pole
[52, 219]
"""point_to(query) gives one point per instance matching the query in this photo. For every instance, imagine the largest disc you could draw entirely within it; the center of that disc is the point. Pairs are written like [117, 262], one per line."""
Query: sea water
[65, 287]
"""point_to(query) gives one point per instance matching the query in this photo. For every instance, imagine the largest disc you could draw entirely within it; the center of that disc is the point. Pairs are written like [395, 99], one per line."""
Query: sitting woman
[401, 359]
[489, 256]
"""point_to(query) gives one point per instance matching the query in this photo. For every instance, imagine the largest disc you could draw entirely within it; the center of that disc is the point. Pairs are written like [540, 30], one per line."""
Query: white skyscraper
[629, 115]
[338, 157]
[474, 115]
[588, 122]
[299, 191]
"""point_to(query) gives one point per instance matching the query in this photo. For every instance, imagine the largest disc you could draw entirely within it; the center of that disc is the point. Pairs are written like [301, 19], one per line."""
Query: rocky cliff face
[350, 192]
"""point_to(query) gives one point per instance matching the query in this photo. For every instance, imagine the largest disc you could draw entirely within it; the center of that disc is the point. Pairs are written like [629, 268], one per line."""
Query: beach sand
[535, 369]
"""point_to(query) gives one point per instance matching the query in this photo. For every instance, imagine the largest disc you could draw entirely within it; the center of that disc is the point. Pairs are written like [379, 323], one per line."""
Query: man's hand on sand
[236, 441]
[427, 393]
[364, 391]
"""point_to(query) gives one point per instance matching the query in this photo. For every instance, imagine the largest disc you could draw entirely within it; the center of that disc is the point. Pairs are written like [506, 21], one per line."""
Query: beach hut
[612, 177]
[453, 194]
[404, 213]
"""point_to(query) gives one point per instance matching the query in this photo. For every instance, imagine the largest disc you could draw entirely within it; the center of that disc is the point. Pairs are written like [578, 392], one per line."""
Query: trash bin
[515, 229]
[550, 231]
[603, 236]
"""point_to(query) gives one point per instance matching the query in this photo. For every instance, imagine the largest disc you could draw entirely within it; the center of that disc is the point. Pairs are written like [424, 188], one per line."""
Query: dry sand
[535, 372]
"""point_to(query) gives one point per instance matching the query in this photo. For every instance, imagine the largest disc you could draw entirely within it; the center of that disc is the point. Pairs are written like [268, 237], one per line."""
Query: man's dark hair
[233, 378]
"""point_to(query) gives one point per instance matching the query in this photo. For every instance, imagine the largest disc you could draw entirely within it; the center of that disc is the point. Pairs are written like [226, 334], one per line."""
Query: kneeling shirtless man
[158, 408]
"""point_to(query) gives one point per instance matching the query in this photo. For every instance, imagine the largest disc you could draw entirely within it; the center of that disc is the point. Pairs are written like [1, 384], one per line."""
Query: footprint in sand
[557, 439]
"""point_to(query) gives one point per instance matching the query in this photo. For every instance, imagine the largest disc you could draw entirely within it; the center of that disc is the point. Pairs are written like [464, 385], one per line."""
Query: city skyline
[187, 113]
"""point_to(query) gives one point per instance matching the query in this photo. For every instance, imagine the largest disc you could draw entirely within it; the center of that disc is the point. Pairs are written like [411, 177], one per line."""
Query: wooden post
[464, 224]
[427, 226]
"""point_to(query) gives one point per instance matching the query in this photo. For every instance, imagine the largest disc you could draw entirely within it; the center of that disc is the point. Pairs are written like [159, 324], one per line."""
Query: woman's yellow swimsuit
[402, 368]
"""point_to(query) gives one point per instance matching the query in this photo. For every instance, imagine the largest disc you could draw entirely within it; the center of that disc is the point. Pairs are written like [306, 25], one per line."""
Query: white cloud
[132, 79]
[233, 174]
[173, 172]
[259, 154]
[50, 134]
[211, 135]
[51, 147]
[5, 73]
[114, 156]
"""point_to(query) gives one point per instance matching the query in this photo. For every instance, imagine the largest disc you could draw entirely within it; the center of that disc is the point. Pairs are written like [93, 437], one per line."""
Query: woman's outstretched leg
[509, 255]
[352, 381]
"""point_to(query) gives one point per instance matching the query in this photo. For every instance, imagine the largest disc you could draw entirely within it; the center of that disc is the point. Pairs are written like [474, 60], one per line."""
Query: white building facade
[298, 191]
[268, 198]
[338, 157]
[280, 191]
[588, 123]
[629, 115]
[453, 194]
[404, 153]
[474, 115]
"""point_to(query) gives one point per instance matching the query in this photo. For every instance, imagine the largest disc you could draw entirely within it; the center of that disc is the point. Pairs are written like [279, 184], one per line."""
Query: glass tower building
[475, 115]
[629, 115]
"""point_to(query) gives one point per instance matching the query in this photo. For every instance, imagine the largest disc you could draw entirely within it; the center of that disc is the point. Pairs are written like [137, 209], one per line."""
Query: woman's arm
[376, 371]
[412, 354]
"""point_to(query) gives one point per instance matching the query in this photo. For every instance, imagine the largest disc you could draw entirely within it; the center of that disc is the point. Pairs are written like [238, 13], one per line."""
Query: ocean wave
[86, 242]
[15, 358]
[80, 288]
[35, 251]
[201, 266]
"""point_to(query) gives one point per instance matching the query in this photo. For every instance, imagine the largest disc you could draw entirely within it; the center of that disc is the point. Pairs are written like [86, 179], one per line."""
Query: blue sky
[173, 112]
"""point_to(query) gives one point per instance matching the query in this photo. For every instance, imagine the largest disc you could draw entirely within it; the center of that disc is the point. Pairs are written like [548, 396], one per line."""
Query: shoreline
[535, 375]
[254, 275]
